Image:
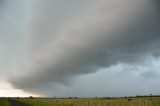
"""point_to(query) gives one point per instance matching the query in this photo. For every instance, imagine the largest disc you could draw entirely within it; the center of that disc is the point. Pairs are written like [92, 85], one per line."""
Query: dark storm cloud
[105, 33]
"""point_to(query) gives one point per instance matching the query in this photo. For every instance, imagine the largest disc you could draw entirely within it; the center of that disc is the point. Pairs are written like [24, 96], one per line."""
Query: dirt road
[16, 103]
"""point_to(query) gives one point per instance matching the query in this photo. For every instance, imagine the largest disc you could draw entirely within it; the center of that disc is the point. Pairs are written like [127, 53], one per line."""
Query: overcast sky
[83, 48]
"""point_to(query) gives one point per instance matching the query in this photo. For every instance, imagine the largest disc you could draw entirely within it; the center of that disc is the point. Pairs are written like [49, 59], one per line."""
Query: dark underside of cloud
[107, 32]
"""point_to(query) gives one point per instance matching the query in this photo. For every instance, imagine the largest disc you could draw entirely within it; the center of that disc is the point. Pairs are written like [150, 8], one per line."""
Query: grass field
[4, 102]
[92, 102]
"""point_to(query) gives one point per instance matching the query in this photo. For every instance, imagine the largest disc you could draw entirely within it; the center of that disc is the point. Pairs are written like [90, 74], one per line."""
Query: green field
[4, 102]
[154, 101]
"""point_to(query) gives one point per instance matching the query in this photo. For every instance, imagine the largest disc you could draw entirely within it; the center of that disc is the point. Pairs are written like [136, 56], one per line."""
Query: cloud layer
[74, 38]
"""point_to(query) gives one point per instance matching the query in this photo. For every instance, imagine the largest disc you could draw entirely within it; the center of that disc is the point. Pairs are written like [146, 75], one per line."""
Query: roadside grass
[91, 102]
[4, 102]
[156, 101]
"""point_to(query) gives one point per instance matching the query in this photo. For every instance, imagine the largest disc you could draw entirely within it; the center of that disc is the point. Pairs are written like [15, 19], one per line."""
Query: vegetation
[4, 102]
[146, 101]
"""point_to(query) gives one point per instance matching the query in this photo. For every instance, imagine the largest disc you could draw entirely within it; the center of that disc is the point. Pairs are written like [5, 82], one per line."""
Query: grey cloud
[1, 1]
[151, 74]
[106, 32]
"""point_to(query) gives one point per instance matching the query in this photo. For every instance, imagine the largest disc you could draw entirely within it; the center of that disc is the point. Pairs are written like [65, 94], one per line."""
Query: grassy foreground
[92, 102]
[4, 102]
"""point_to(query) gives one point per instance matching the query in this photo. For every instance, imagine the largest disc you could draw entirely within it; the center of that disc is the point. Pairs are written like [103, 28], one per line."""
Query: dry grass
[92, 102]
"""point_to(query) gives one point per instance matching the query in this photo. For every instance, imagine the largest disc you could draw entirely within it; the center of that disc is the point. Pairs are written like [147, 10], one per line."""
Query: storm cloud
[67, 39]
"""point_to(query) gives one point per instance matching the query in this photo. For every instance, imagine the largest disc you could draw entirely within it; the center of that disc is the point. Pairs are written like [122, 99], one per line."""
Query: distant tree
[31, 97]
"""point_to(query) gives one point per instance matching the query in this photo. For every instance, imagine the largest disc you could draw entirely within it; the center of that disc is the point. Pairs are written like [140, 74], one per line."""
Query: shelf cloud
[67, 39]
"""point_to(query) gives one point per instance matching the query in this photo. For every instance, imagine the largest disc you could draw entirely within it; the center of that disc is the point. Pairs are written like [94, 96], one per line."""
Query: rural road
[16, 103]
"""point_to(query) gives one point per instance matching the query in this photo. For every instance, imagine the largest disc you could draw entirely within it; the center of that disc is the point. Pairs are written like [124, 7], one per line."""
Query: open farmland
[147, 101]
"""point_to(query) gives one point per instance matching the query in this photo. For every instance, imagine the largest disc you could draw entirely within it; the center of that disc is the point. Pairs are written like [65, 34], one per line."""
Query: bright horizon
[6, 90]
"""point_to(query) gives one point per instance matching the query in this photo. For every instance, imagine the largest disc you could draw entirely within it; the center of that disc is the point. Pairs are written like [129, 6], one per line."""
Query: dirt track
[16, 103]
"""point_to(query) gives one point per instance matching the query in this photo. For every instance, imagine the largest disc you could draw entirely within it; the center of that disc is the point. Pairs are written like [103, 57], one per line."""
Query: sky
[82, 48]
